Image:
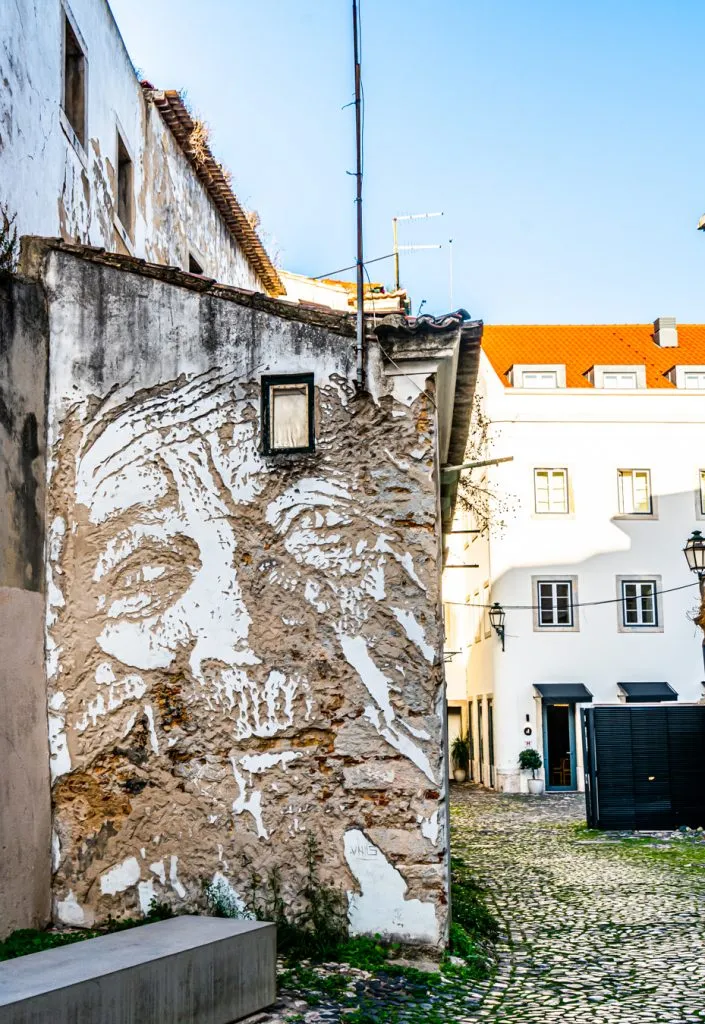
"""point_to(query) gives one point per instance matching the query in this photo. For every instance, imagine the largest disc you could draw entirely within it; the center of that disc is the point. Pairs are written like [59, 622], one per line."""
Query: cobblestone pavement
[595, 931]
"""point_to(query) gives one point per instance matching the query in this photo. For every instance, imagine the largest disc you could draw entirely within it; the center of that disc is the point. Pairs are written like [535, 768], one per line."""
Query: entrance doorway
[480, 742]
[559, 746]
[455, 729]
[490, 739]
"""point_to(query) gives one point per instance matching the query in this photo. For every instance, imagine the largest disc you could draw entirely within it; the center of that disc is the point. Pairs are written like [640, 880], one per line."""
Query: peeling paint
[381, 907]
[120, 877]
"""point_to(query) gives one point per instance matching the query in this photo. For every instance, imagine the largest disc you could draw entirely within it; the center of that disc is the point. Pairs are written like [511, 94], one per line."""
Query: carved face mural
[242, 650]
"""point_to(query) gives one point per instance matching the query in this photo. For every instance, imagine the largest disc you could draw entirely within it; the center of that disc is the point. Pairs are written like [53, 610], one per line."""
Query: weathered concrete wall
[242, 651]
[25, 822]
[56, 186]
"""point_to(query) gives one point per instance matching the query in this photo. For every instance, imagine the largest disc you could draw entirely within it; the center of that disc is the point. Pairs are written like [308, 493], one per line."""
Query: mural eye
[151, 579]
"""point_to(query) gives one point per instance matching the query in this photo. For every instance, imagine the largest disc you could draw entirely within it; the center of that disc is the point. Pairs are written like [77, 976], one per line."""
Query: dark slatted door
[651, 766]
[645, 766]
[686, 736]
[614, 767]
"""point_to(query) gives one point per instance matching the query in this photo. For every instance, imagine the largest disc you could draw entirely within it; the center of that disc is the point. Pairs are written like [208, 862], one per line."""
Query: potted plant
[531, 759]
[460, 756]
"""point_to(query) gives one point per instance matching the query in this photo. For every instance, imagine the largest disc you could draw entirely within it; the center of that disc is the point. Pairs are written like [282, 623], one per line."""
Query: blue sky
[562, 139]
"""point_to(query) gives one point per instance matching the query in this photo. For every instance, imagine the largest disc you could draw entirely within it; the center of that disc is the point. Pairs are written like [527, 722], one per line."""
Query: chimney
[666, 332]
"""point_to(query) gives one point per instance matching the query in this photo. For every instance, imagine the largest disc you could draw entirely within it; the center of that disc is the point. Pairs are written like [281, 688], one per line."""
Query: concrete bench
[190, 970]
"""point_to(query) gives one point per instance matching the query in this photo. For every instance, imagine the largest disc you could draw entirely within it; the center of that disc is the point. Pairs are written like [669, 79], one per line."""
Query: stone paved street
[606, 929]
[598, 932]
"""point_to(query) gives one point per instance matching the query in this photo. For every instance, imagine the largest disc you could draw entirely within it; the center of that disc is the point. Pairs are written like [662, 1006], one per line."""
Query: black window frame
[273, 380]
[571, 604]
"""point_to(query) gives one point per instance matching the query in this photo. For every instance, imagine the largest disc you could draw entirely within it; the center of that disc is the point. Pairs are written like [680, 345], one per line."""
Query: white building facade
[605, 426]
[90, 154]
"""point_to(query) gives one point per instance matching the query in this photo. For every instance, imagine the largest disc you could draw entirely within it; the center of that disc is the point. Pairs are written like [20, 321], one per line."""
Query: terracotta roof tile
[178, 119]
[582, 346]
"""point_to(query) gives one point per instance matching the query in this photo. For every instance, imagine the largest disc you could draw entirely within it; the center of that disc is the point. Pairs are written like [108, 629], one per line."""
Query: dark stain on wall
[23, 399]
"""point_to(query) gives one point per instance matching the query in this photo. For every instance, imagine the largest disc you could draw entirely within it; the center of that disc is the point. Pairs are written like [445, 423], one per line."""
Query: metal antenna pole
[450, 270]
[395, 250]
[358, 200]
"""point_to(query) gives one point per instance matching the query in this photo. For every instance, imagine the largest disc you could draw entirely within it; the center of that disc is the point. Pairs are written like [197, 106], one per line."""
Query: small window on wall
[555, 603]
[124, 185]
[287, 414]
[74, 101]
[194, 267]
[701, 493]
[551, 490]
[694, 381]
[539, 379]
[619, 381]
[639, 607]
[634, 492]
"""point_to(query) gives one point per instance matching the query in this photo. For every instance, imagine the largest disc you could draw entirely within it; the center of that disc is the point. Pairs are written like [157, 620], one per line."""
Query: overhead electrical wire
[575, 604]
[352, 266]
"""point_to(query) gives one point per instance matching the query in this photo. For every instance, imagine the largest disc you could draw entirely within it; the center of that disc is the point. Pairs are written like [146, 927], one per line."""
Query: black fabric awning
[635, 692]
[575, 693]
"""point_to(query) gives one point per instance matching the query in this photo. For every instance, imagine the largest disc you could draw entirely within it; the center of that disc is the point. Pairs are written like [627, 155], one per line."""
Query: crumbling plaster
[56, 187]
[242, 651]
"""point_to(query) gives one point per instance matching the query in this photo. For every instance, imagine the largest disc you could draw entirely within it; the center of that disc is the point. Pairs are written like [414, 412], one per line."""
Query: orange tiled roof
[582, 346]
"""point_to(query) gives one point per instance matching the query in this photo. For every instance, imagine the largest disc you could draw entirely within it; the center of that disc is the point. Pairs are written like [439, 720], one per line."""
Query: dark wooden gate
[644, 766]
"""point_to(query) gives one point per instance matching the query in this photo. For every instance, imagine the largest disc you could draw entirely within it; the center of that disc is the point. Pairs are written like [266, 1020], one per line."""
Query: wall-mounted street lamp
[497, 616]
[694, 552]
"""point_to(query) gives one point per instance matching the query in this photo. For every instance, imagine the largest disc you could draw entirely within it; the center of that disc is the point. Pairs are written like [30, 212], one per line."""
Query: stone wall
[25, 821]
[243, 651]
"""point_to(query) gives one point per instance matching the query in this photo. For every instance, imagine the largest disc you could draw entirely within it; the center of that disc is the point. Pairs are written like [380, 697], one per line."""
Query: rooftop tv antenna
[408, 248]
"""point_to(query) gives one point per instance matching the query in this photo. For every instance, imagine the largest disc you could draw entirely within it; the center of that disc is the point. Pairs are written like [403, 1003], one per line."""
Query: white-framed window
[701, 493]
[634, 489]
[555, 603]
[550, 490]
[694, 380]
[539, 379]
[622, 381]
[486, 627]
[537, 375]
[639, 604]
[623, 377]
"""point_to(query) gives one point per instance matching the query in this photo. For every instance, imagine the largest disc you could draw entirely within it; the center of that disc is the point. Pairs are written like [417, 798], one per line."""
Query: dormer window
[689, 378]
[538, 377]
[617, 378]
[625, 381]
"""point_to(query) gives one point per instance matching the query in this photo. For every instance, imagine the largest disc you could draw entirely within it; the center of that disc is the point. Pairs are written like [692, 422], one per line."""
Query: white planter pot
[459, 774]
[535, 786]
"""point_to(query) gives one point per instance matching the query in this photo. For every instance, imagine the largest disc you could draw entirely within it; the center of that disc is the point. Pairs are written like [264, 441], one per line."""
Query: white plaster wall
[593, 434]
[57, 188]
